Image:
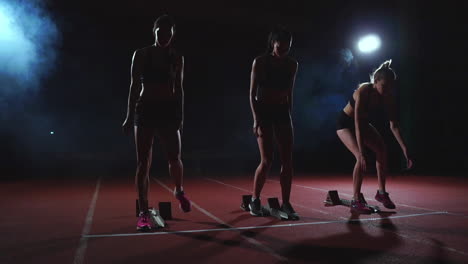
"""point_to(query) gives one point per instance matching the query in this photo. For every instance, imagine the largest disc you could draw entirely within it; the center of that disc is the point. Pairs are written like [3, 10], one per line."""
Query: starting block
[334, 199]
[165, 209]
[158, 216]
[272, 209]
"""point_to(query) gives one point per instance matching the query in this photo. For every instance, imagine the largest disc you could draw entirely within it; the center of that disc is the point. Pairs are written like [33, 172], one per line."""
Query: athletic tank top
[153, 73]
[276, 78]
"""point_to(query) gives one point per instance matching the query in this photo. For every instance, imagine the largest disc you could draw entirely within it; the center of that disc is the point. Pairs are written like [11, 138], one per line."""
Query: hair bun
[383, 70]
[386, 64]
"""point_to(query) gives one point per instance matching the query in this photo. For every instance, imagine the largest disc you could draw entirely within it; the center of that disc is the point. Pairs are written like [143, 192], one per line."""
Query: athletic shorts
[157, 114]
[273, 114]
[344, 121]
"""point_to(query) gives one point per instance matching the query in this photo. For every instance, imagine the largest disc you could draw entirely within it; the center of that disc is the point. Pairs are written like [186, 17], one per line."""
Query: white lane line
[249, 191]
[404, 205]
[263, 227]
[81, 250]
[346, 220]
[249, 239]
[369, 199]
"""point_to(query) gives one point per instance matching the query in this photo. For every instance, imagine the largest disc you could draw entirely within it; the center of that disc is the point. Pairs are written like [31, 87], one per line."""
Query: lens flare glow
[369, 43]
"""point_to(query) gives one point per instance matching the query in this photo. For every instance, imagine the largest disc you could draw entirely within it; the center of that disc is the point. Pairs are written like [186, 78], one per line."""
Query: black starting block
[165, 209]
[334, 199]
[272, 209]
[164, 212]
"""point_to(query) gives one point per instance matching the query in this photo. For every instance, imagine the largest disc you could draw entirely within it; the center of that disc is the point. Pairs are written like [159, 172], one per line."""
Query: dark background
[83, 98]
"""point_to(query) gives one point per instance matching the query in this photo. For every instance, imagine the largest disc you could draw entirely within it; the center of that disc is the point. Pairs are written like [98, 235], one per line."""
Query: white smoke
[28, 40]
[346, 56]
[28, 52]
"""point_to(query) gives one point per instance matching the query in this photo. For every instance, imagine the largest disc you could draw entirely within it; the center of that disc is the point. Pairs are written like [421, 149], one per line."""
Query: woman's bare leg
[285, 137]
[144, 148]
[171, 141]
[376, 143]
[265, 145]
[348, 137]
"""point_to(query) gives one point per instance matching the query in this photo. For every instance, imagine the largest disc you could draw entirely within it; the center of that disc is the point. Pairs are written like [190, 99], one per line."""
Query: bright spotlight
[52, 132]
[369, 43]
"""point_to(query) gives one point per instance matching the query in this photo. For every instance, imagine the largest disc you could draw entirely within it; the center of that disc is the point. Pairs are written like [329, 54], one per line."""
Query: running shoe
[255, 207]
[385, 200]
[144, 222]
[185, 204]
[288, 209]
[360, 207]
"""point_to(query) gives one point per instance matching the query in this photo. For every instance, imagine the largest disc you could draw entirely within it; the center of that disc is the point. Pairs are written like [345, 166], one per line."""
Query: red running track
[93, 221]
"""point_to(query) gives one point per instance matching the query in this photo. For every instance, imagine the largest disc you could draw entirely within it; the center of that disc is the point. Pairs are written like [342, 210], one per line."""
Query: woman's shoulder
[176, 54]
[141, 52]
[259, 61]
[260, 58]
[292, 61]
[364, 87]
[144, 49]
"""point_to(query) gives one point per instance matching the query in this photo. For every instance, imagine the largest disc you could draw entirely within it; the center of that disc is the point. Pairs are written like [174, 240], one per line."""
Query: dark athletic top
[153, 73]
[276, 78]
[375, 113]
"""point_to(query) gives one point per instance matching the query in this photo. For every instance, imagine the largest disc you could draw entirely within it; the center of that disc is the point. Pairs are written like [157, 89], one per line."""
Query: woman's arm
[135, 85]
[395, 127]
[179, 89]
[253, 92]
[295, 66]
